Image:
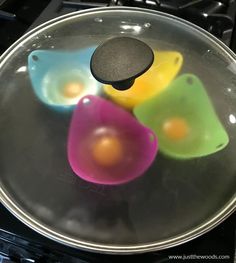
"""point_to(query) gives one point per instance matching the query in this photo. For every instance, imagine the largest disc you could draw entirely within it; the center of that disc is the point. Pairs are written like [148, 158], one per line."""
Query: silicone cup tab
[94, 117]
[185, 103]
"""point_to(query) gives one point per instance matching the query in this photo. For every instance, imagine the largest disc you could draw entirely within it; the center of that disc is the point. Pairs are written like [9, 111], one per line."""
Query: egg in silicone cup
[106, 144]
[184, 120]
[165, 67]
[59, 79]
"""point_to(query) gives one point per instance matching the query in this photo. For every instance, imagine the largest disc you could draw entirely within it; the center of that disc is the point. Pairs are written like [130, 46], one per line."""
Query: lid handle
[120, 60]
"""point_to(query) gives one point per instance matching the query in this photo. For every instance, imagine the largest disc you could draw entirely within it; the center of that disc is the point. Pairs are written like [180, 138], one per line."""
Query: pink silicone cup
[93, 115]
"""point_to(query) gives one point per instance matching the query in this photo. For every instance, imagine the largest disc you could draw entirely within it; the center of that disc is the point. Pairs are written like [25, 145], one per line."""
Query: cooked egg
[72, 89]
[176, 128]
[106, 144]
[107, 150]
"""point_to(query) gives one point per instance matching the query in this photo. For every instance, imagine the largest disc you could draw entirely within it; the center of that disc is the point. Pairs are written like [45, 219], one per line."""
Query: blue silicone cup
[49, 71]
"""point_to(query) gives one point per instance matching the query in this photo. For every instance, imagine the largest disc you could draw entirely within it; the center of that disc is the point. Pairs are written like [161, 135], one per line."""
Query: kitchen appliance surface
[101, 193]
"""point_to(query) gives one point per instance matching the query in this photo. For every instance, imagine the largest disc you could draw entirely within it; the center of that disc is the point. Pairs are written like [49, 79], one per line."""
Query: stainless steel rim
[94, 247]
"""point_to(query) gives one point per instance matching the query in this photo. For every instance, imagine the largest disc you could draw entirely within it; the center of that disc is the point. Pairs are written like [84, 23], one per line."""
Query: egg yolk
[107, 150]
[72, 89]
[176, 128]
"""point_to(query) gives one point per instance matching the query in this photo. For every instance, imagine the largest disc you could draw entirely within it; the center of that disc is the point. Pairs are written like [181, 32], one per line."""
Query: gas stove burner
[210, 15]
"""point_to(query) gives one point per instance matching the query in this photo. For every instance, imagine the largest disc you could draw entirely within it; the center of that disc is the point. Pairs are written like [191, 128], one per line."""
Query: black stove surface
[18, 243]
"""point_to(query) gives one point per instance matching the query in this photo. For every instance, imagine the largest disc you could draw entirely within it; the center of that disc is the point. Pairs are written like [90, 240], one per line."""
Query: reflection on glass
[133, 28]
[232, 118]
[21, 69]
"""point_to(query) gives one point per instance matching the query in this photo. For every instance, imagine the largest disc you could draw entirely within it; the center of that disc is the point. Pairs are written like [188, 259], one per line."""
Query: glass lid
[118, 130]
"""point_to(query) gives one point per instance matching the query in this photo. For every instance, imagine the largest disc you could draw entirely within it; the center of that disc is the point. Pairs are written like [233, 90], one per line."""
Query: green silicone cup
[185, 98]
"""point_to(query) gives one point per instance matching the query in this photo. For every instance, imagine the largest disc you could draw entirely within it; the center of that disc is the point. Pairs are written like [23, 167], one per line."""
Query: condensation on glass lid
[106, 144]
[184, 119]
[165, 67]
[60, 79]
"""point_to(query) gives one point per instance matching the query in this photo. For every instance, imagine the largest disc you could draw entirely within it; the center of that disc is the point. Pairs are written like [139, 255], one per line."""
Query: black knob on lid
[120, 60]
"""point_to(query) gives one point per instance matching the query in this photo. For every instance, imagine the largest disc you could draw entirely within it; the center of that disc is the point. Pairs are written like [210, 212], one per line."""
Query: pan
[118, 130]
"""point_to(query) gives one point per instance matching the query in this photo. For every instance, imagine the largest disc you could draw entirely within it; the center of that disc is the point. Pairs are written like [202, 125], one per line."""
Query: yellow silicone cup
[165, 67]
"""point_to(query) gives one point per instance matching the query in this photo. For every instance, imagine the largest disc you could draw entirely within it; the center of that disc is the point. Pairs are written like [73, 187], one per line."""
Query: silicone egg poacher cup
[95, 118]
[52, 72]
[196, 130]
[165, 67]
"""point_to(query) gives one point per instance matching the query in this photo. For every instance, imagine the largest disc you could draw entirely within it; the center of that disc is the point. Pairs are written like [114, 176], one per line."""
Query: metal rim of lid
[27, 219]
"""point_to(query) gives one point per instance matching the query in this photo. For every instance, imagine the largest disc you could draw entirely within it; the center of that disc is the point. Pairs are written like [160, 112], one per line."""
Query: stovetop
[18, 243]
[217, 17]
